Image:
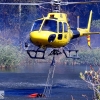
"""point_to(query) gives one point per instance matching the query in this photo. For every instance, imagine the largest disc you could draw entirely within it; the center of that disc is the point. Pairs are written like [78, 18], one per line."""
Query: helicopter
[54, 31]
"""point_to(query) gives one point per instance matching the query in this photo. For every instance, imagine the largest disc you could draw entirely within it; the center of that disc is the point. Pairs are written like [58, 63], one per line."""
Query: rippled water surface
[27, 80]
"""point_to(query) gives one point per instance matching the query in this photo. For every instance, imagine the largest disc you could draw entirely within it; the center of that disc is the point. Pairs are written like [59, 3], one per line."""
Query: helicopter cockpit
[36, 25]
[48, 25]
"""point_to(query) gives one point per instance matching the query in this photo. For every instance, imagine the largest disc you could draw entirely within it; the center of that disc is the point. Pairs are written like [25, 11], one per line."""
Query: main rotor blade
[68, 3]
[61, 3]
[32, 4]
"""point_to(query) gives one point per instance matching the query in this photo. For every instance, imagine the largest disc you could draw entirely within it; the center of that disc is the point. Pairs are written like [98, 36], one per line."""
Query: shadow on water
[22, 81]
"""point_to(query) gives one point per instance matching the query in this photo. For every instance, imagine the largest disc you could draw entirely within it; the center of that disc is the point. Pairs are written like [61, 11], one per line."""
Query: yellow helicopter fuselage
[54, 31]
[62, 36]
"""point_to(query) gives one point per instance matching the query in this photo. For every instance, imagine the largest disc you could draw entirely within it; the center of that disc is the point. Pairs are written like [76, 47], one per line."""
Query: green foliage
[10, 56]
[89, 57]
[96, 24]
[95, 27]
[15, 18]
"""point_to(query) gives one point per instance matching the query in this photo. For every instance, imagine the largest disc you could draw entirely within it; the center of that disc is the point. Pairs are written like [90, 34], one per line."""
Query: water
[27, 80]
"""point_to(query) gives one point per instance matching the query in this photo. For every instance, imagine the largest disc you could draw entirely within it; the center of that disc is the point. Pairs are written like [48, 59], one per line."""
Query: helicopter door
[65, 30]
[60, 31]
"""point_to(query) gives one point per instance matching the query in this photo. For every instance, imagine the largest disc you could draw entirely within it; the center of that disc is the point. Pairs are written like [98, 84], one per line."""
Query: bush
[89, 57]
[10, 56]
[95, 25]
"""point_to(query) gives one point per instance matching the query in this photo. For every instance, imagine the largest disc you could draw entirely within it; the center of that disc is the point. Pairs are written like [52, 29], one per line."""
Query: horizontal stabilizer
[89, 33]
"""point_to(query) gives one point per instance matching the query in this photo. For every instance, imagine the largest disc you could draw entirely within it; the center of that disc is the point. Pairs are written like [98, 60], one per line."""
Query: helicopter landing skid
[36, 54]
[70, 54]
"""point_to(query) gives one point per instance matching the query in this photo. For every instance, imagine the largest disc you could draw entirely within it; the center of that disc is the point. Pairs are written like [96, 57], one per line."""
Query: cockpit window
[50, 25]
[65, 27]
[36, 26]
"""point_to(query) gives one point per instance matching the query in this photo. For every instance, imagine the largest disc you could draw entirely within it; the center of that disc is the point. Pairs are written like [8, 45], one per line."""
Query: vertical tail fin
[89, 22]
[88, 29]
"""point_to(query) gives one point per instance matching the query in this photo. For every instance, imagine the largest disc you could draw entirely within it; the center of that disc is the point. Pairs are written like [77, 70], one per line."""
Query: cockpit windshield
[36, 26]
[50, 25]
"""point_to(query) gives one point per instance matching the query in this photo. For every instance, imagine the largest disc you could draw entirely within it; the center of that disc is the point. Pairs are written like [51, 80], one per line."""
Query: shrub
[10, 56]
[89, 57]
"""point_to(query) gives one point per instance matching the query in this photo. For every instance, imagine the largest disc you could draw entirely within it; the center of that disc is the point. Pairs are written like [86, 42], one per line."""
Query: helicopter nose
[51, 38]
[39, 38]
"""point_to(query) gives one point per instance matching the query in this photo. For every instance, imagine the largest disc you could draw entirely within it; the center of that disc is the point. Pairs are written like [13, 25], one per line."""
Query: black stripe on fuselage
[76, 34]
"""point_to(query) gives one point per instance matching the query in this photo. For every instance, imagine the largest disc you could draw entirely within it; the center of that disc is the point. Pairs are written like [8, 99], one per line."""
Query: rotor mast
[56, 5]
